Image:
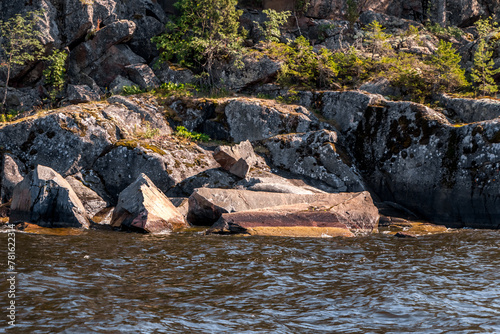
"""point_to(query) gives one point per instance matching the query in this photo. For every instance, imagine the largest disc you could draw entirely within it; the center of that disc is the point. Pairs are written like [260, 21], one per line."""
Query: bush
[275, 20]
[185, 133]
[204, 32]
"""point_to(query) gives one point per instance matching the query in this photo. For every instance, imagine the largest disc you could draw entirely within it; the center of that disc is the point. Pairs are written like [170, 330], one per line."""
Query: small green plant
[446, 61]
[181, 131]
[352, 13]
[486, 26]
[131, 90]
[377, 39]
[20, 44]
[148, 132]
[55, 73]
[9, 116]
[483, 72]
[275, 20]
[446, 32]
[177, 89]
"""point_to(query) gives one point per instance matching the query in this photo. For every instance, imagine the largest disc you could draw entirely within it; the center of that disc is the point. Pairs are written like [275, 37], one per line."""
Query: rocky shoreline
[88, 165]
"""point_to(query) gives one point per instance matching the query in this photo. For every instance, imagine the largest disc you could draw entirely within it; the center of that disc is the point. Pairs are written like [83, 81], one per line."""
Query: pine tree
[20, 44]
[377, 38]
[483, 72]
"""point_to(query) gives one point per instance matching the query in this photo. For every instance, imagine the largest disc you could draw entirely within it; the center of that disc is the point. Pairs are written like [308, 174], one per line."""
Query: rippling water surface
[105, 282]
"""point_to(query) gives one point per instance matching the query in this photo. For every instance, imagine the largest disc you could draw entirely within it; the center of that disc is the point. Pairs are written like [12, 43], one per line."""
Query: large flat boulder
[45, 198]
[341, 214]
[144, 207]
[206, 205]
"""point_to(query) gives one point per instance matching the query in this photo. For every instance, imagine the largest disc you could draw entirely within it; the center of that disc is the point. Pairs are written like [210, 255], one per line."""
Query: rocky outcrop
[412, 155]
[470, 110]
[316, 155]
[45, 198]
[253, 119]
[144, 207]
[252, 71]
[336, 215]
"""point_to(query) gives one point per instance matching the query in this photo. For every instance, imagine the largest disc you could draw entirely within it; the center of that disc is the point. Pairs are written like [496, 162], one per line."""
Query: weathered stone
[236, 159]
[207, 205]
[112, 64]
[117, 85]
[92, 202]
[317, 155]
[142, 114]
[341, 213]
[11, 176]
[347, 108]
[143, 206]
[142, 75]
[81, 94]
[254, 71]
[45, 198]
[23, 99]
[447, 174]
[169, 73]
[253, 119]
[470, 110]
[380, 86]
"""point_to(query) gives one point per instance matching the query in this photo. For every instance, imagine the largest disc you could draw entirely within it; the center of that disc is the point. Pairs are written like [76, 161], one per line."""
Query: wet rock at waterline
[206, 205]
[45, 198]
[337, 215]
[144, 207]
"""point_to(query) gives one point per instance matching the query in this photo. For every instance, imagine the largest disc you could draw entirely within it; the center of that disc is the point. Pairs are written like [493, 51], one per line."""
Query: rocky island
[353, 115]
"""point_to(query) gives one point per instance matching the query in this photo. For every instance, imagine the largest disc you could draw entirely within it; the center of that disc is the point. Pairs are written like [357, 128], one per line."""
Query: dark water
[103, 282]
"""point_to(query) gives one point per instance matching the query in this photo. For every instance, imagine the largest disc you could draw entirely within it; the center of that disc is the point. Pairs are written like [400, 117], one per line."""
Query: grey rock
[142, 75]
[253, 71]
[380, 86]
[12, 174]
[252, 119]
[470, 110]
[117, 85]
[92, 202]
[81, 94]
[143, 206]
[317, 155]
[169, 73]
[45, 198]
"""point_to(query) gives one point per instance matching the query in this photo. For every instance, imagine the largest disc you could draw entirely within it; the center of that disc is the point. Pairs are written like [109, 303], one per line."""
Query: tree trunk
[4, 100]
[441, 12]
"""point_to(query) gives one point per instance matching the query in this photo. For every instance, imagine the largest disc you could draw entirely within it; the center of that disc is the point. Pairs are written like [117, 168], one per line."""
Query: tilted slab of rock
[236, 159]
[10, 177]
[92, 202]
[316, 155]
[143, 206]
[45, 198]
[207, 205]
[340, 214]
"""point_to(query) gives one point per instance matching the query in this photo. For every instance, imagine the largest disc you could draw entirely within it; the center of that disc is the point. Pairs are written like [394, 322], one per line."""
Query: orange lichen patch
[35, 229]
[300, 231]
[416, 228]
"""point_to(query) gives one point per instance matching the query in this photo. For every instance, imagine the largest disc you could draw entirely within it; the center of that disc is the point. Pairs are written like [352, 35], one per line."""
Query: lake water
[111, 282]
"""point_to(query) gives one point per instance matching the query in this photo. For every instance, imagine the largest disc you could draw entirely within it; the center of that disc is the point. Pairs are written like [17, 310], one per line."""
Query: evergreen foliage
[377, 39]
[482, 72]
[450, 75]
[20, 44]
[275, 20]
[55, 73]
[204, 32]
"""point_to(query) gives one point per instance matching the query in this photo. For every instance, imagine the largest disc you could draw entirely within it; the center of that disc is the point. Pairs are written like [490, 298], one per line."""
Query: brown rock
[143, 206]
[342, 213]
[236, 159]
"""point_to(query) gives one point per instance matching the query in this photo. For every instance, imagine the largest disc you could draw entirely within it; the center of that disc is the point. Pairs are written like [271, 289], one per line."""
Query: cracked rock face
[44, 197]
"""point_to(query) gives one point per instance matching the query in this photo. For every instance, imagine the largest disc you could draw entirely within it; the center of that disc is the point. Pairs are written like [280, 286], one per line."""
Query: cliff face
[458, 12]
